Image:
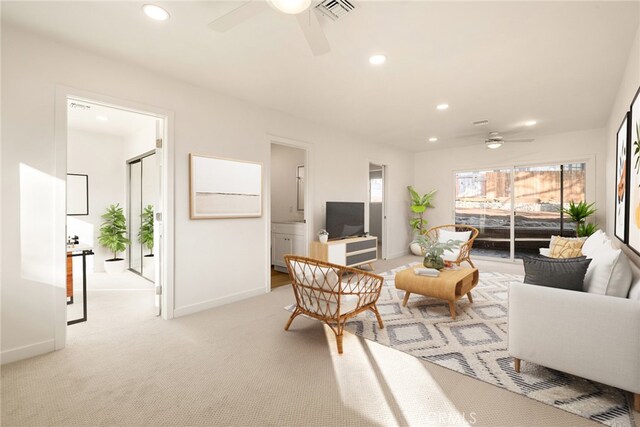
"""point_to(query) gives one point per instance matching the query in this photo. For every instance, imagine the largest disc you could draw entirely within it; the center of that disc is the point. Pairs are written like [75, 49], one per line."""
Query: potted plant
[323, 236]
[433, 250]
[419, 204]
[113, 236]
[579, 213]
[145, 234]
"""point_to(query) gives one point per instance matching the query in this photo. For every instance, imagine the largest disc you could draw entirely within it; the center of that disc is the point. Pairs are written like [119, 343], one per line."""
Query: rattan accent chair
[465, 248]
[332, 293]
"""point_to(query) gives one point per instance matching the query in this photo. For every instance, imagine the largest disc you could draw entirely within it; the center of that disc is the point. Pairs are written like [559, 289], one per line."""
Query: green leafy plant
[145, 235]
[433, 250]
[419, 204]
[579, 213]
[113, 231]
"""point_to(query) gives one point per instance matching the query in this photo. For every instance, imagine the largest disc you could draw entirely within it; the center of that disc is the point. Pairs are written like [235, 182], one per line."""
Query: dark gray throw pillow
[562, 273]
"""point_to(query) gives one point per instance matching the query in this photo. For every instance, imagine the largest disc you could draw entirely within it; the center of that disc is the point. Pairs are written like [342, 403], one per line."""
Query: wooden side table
[450, 286]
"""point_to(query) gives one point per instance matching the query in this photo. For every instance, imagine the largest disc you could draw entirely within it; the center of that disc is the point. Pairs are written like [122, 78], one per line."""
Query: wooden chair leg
[339, 342]
[293, 316]
[375, 311]
[406, 298]
[516, 364]
[470, 263]
[470, 297]
[636, 402]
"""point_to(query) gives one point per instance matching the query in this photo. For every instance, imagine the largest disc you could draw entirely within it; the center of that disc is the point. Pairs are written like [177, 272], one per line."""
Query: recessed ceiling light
[377, 59]
[530, 123]
[155, 12]
[442, 106]
[433, 139]
[102, 118]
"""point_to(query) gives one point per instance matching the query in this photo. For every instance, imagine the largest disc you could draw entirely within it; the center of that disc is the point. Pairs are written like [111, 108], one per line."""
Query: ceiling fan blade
[519, 140]
[310, 26]
[237, 16]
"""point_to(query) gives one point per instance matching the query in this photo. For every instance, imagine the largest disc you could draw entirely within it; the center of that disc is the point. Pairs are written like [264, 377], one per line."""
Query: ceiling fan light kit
[291, 7]
[493, 144]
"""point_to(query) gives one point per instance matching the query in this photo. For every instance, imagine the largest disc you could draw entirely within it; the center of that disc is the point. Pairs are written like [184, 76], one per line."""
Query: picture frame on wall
[623, 160]
[77, 194]
[224, 188]
[634, 169]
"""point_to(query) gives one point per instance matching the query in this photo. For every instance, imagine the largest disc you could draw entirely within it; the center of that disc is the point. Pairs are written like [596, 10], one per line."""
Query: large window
[517, 209]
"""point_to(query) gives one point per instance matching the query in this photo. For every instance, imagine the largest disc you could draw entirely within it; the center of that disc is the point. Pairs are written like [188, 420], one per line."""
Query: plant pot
[115, 266]
[416, 249]
[433, 262]
[323, 238]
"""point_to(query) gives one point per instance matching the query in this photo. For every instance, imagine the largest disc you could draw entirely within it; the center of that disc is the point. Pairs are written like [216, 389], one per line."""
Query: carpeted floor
[475, 344]
[236, 366]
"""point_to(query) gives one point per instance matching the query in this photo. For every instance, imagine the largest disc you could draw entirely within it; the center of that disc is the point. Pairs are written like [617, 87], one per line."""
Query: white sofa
[585, 334]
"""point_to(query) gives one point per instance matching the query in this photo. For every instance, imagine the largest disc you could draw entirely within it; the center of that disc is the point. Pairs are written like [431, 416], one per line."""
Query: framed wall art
[634, 182]
[621, 229]
[77, 194]
[224, 188]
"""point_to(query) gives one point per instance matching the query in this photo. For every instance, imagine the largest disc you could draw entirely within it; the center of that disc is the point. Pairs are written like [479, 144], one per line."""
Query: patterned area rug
[475, 344]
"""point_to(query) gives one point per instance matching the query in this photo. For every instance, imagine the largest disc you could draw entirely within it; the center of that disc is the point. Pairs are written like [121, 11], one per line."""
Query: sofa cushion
[595, 242]
[445, 235]
[609, 273]
[566, 247]
[565, 273]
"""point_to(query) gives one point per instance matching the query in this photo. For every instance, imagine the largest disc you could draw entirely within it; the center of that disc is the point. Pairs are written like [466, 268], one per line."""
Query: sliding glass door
[484, 199]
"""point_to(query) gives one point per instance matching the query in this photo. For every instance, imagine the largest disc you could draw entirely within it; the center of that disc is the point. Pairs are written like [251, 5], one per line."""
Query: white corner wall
[211, 256]
[435, 169]
[284, 189]
[628, 87]
[99, 156]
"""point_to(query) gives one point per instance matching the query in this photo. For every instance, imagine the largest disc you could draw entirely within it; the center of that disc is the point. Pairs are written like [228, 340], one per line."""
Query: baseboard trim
[205, 305]
[31, 350]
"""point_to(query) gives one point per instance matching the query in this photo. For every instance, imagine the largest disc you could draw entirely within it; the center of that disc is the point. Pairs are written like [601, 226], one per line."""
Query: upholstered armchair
[465, 233]
[332, 293]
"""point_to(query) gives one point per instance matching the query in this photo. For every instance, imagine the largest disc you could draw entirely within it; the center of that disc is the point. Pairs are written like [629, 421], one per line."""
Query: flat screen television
[345, 219]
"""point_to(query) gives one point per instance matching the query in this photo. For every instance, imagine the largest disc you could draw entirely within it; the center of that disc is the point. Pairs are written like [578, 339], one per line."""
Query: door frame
[308, 195]
[166, 185]
[385, 204]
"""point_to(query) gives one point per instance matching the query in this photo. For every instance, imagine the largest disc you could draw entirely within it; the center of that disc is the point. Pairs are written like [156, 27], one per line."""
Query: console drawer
[362, 258]
[362, 245]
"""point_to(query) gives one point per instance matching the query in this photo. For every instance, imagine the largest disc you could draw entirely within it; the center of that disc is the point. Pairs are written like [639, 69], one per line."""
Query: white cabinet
[350, 252]
[286, 238]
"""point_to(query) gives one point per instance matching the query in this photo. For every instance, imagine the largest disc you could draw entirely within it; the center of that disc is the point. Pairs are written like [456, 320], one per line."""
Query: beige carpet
[235, 365]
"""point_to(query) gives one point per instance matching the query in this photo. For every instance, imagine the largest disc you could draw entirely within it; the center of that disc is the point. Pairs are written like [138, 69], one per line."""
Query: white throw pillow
[609, 273]
[445, 235]
[594, 243]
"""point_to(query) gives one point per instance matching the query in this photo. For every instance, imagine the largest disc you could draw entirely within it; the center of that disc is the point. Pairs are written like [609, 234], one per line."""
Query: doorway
[517, 209]
[108, 282]
[377, 206]
[288, 210]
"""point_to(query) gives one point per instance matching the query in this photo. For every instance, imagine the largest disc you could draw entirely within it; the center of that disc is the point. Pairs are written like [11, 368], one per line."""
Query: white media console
[350, 252]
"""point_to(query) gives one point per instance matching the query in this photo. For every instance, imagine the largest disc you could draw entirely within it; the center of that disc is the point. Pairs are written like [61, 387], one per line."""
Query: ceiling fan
[495, 140]
[305, 14]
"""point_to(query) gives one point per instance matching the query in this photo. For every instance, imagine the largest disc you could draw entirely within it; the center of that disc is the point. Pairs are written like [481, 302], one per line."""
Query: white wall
[435, 169]
[284, 165]
[628, 87]
[101, 157]
[211, 256]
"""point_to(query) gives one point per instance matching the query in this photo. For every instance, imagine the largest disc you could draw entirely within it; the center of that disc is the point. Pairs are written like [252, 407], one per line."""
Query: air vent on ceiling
[77, 106]
[335, 9]
[481, 123]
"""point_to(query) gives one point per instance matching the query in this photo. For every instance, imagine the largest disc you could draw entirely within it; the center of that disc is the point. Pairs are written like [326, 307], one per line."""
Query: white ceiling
[559, 63]
[118, 122]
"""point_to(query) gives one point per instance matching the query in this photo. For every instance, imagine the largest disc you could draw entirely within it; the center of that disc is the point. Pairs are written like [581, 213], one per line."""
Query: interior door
[158, 168]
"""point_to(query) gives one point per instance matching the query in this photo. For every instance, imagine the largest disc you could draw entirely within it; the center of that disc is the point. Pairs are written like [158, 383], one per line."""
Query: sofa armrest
[589, 335]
